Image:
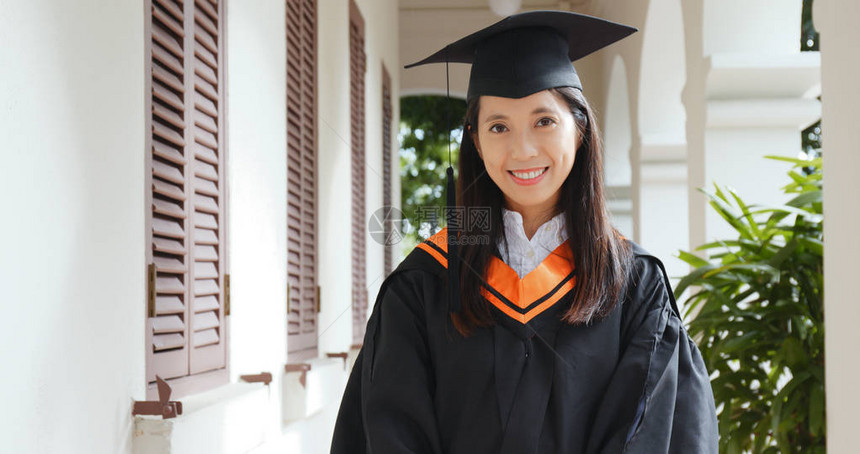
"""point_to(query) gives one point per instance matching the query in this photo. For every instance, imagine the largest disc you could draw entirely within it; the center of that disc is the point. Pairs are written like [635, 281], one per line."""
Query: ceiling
[484, 4]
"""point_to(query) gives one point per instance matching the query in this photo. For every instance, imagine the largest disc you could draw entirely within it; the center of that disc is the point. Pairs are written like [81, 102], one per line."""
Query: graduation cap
[513, 58]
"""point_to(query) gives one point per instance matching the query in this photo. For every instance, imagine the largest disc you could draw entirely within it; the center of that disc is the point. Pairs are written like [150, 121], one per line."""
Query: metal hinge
[150, 290]
[288, 298]
[302, 368]
[163, 406]
[263, 377]
[226, 294]
[319, 303]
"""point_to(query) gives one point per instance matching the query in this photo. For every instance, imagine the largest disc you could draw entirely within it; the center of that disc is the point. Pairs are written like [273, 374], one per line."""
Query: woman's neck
[533, 217]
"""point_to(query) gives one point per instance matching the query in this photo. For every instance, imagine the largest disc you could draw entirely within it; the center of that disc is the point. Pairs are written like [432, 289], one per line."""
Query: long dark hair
[601, 256]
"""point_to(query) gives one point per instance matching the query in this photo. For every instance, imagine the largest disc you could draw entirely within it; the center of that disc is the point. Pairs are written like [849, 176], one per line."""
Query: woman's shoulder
[648, 285]
[421, 273]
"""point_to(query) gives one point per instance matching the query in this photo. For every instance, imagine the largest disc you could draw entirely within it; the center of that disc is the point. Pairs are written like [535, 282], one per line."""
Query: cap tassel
[453, 255]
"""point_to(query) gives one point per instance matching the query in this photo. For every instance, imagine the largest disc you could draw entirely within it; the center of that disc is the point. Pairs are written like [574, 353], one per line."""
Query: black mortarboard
[515, 57]
[529, 52]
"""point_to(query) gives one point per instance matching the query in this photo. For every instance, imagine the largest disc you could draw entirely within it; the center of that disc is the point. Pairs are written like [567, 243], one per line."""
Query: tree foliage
[759, 315]
[427, 126]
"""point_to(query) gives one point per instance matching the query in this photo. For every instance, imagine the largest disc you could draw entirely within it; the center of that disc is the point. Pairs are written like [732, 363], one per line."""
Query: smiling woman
[528, 146]
[557, 335]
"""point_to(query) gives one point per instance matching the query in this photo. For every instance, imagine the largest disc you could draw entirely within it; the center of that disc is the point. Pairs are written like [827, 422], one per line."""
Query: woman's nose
[523, 147]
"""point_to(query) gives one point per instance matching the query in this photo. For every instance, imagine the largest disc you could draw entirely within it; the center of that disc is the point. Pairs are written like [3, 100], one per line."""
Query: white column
[840, 71]
[659, 155]
[748, 94]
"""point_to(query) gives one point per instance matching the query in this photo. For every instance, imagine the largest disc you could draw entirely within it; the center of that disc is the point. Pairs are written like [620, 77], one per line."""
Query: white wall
[256, 122]
[836, 21]
[72, 231]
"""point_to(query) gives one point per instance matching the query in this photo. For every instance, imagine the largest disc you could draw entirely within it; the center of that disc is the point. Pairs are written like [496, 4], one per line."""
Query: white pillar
[659, 154]
[749, 93]
[840, 71]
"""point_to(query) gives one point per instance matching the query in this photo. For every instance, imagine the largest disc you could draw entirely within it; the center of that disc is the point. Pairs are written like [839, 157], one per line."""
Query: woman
[565, 337]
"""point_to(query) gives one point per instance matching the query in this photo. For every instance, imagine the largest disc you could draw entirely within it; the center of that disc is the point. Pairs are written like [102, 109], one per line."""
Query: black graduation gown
[633, 382]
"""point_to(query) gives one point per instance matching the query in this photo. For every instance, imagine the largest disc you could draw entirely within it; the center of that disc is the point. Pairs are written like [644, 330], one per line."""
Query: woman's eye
[545, 121]
[498, 128]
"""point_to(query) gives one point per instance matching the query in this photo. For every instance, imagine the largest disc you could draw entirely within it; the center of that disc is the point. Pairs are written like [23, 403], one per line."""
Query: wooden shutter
[301, 180]
[186, 332]
[357, 67]
[387, 227]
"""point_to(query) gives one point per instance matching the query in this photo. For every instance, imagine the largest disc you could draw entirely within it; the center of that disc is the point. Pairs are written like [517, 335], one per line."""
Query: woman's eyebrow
[538, 110]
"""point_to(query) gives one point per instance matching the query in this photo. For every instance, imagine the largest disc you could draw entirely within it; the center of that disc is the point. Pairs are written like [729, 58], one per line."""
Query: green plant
[757, 303]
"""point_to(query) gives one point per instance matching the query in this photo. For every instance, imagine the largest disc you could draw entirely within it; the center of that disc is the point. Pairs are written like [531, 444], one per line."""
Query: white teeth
[529, 175]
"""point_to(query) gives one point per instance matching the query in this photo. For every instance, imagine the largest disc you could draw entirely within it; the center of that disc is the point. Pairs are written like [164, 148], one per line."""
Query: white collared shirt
[525, 255]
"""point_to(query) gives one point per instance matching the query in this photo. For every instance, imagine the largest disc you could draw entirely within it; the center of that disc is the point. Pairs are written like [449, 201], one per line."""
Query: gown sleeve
[659, 399]
[388, 402]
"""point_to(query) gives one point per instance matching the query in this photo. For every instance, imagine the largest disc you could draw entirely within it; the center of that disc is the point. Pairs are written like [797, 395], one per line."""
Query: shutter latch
[163, 406]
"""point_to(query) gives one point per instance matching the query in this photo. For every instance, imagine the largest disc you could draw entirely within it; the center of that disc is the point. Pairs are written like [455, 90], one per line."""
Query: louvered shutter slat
[208, 8]
[169, 21]
[167, 172]
[205, 253]
[206, 170]
[205, 236]
[206, 270]
[206, 75]
[172, 7]
[168, 96]
[168, 324]
[169, 135]
[205, 320]
[169, 265]
[167, 341]
[206, 303]
[205, 23]
[206, 40]
[168, 246]
[163, 207]
[204, 338]
[166, 40]
[209, 94]
[205, 220]
[205, 287]
[205, 137]
[208, 108]
[203, 186]
[205, 154]
[164, 57]
[168, 78]
[167, 228]
[205, 204]
[168, 190]
[169, 304]
[169, 285]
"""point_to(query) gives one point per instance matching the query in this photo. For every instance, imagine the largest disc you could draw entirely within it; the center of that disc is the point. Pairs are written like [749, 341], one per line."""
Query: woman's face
[528, 146]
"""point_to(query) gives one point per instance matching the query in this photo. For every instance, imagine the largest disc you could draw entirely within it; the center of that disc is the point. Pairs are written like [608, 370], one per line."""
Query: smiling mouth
[529, 174]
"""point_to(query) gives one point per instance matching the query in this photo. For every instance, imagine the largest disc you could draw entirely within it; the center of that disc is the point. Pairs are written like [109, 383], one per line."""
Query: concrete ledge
[763, 113]
[324, 384]
[741, 75]
[230, 418]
